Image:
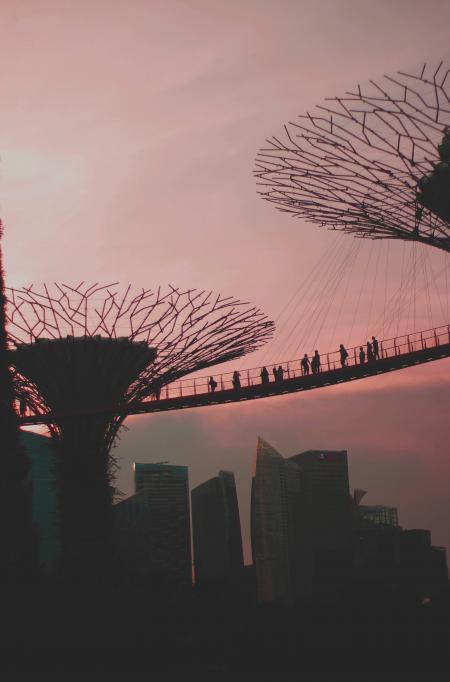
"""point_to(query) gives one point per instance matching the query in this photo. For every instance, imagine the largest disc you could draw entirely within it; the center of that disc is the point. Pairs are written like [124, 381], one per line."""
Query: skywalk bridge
[395, 353]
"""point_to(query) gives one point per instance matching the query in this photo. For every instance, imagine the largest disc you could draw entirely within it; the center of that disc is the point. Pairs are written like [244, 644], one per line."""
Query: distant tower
[218, 556]
[280, 542]
[325, 491]
[153, 526]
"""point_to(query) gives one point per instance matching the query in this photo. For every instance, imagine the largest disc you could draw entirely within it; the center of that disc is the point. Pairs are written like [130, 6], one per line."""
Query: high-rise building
[280, 541]
[218, 556]
[40, 451]
[326, 495]
[152, 527]
[380, 515]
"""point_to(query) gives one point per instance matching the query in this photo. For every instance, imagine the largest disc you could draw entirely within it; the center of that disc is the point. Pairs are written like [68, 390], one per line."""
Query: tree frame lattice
[189, 329]
[358, 163]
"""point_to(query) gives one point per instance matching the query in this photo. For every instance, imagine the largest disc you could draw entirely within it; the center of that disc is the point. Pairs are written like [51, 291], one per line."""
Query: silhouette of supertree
[369, 162]
[17, 532]
[86, 354]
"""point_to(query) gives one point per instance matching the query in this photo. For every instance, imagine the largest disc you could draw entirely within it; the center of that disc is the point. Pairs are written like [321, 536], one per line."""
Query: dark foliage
[17, 533]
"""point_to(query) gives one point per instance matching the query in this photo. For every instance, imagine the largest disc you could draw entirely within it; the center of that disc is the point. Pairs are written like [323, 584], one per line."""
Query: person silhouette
[362, 355]
[157, 390]
[236, 381]
[265, 379]
[369, 352]
[280, 373]
[275, 374]
[212, 383]
[344, 355]
[304, 364]
[376, 350]
[315, 362]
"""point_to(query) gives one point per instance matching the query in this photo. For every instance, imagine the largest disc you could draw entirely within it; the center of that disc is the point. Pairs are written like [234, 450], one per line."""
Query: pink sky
[128, 132]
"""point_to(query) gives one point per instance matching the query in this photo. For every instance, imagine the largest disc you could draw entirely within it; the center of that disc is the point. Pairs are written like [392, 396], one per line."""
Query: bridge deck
[289, 385]
[296, 384]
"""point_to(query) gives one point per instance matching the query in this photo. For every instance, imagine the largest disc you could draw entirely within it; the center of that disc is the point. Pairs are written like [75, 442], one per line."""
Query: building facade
[423, 566]
[152, 527]
[218, 556]
[326, 497]
[280, 541]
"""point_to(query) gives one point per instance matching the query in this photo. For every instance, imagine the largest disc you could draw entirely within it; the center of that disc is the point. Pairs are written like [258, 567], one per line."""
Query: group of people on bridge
[367, 354]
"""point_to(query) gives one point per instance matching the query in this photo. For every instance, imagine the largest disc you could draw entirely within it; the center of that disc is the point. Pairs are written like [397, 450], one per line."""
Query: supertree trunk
[18, 536]
[77, 377]
[86, 492]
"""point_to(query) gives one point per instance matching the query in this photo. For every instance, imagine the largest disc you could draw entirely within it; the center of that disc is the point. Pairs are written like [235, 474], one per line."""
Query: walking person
[265, 379]
[362, 355]
[305, 364]
[275, 374]
[376, 350]
[369, 352]
[344, 355]
[212, 383]
[236, 381]
[315, 362]
[157, 390]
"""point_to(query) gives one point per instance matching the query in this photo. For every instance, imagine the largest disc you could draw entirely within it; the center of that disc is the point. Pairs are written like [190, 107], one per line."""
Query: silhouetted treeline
[18, 537]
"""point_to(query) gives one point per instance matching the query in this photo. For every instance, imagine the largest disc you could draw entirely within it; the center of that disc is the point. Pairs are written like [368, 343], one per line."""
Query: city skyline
[162, 511]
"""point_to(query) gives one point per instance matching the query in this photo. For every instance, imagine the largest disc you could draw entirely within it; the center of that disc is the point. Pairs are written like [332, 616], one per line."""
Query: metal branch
[360, 162]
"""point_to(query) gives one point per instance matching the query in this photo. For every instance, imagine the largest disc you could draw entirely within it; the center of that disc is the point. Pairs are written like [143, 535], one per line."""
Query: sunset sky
[128, 136]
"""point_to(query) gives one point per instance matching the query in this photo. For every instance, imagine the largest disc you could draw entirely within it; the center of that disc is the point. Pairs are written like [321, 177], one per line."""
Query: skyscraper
[280, 542]
[218, 556]
[152, 527]
[44, 496]
[325, 491]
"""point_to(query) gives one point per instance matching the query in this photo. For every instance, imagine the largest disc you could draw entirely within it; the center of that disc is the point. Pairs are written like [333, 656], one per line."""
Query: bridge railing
[330, 362]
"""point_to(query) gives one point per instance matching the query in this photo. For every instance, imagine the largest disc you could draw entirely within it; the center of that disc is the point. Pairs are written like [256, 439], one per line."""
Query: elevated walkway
[396, 353]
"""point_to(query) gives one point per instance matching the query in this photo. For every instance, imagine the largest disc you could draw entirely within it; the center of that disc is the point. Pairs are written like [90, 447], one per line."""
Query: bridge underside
[294, 385]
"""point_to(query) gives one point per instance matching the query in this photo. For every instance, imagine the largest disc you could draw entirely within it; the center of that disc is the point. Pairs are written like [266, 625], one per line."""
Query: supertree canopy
[374, 162]
[86, 354]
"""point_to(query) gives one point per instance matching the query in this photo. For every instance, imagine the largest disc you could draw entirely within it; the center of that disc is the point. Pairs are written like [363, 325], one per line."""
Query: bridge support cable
[303, 290]
[350, 272]
[320, 287]
[322, 310]
[393, 289]
[314, 313]
[374, 283]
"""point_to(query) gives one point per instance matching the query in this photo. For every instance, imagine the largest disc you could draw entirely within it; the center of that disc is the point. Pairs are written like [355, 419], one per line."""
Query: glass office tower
[218, 556]
[326, 495]
[152, 527]
[280, 539]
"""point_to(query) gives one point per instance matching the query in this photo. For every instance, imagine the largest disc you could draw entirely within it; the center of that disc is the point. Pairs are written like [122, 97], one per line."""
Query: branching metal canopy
[189, 330]
[373, 162]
